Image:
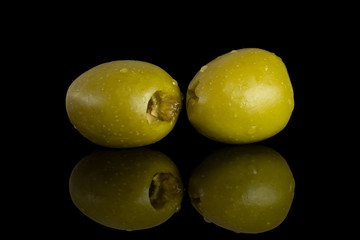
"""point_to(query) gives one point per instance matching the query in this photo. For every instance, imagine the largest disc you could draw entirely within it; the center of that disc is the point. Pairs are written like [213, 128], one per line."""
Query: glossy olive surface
[243, 96]
[130, 189]
[245, 189]
[124, 103]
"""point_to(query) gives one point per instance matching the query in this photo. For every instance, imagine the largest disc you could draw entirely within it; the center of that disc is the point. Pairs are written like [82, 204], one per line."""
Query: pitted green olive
[124, 104]
[241, 97]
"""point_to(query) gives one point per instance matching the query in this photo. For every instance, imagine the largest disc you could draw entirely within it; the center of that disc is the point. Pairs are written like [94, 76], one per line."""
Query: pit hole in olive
[191, 92]
[192, 95]
[163, 107]
[196, 202]
[164, 188]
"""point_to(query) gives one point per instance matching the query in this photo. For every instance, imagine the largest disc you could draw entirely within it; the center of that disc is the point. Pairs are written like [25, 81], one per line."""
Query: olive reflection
[128, 189]
[246, 189]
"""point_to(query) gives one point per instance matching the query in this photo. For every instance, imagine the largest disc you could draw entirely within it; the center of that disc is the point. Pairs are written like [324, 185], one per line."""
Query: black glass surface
[182, 54]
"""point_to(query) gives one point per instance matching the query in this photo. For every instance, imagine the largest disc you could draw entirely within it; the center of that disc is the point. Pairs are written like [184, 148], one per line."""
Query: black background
[180, 43]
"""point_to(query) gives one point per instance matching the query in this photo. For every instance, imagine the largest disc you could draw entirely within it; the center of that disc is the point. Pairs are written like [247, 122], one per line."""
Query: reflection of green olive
[127, 189]
[246, 189]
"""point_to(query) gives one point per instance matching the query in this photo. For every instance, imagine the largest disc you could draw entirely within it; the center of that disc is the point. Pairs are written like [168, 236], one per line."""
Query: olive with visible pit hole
[130, 189]
[243, 96]
[124, 104]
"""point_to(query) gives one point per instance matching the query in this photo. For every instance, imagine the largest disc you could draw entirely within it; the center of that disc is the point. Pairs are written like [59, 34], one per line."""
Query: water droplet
[253, 169]
[124, 70]
[233, 51]
[252, 130]
[266, 68]
[203, 68]
[207, 220]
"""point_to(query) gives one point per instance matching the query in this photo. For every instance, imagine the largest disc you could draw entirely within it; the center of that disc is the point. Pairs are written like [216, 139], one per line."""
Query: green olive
[241, 97]
[128, 189]
[245, 189]
[124, 104]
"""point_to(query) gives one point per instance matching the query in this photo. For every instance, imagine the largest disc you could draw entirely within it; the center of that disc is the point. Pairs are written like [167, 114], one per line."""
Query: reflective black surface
[182, 54]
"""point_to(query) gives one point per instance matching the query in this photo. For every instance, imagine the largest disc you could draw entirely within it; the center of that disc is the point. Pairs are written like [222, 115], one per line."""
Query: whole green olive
[245, 189]
[128, 189]
[241, 97]
[124, 104]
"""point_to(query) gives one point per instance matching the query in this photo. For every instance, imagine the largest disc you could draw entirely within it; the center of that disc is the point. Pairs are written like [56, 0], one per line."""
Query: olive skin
[123, 104]
[245, 189]
[243, 96]
[130, 189]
